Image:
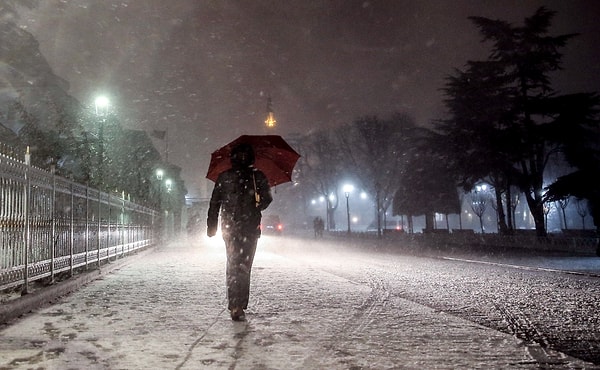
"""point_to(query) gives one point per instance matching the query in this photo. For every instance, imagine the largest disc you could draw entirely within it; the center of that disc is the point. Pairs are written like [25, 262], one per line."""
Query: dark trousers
[240, 255]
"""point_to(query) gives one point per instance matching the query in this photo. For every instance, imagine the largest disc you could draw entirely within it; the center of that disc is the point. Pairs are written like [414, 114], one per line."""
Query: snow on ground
[309, 309]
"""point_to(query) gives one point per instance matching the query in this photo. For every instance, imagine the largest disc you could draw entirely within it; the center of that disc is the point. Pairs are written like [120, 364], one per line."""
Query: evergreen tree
[503, 110]
[581, 148]
[428, 185]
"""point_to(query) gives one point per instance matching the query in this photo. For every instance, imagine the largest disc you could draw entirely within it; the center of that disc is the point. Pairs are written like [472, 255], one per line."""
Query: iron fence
[51, 225]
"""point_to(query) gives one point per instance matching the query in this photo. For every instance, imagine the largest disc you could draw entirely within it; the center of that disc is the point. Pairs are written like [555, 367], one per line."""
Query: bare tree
[479, 202]
[377, 151]
[547, 209]
[582, 211]
[320, 170]
[562, 204]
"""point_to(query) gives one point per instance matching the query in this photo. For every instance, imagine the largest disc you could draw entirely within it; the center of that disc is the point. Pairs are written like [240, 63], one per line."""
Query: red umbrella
[274, 156]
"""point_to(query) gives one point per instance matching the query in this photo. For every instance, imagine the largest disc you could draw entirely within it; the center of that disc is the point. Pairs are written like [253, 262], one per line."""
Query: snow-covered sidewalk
[167, 311]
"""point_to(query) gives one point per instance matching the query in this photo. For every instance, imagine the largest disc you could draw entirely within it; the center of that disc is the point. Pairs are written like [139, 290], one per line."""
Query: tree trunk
[502, 228]
[429, 221]
[330, 219]
[537, 211]
[509, 207]
[564, 216]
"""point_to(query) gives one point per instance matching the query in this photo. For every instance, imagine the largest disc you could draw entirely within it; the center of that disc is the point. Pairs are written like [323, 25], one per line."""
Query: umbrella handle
[256, 195]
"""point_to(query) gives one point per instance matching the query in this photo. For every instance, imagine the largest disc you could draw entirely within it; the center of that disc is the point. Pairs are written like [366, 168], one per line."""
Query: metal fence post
[122, 228]
[53, 232]
[87, 226]
[27, 230]
[108, 241]
[99, 226]
[72, 233]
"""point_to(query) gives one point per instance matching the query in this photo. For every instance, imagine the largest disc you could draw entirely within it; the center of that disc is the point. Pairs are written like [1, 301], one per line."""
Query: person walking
[239, 196]
[318, 225]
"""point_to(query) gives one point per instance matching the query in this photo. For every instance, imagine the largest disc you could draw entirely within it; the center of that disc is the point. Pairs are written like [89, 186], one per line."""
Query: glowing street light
[167, 215]
[482, 187]
[347, 190]
[101, 104]
[159, 176]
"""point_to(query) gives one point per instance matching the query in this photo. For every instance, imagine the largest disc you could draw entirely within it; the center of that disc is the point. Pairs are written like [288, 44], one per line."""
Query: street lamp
[329, 206]
[101, 103]
[169, 187]
[101, 108]
[168, 218]
[159, 176]
[347, 190]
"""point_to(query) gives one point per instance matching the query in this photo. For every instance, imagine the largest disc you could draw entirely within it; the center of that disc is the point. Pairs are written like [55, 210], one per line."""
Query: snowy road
[314, 306]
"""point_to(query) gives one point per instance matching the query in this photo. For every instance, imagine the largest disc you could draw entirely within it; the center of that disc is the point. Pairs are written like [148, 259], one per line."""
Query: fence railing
[50, 225]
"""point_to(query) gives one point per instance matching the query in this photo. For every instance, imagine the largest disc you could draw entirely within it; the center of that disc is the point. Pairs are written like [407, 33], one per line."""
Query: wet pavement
[312, 306]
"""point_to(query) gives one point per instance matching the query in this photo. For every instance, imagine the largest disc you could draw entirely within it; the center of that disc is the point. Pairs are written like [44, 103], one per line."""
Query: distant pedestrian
[239, 196]
[318, 226]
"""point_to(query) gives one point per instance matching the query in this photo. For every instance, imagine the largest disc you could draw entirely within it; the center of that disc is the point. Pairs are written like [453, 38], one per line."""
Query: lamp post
[101, 106]
[330, 221]
[167, 213]
[347, 190]
[159, 176]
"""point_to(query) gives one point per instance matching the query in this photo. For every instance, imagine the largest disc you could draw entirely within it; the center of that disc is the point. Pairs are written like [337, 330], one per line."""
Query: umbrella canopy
[273, 156]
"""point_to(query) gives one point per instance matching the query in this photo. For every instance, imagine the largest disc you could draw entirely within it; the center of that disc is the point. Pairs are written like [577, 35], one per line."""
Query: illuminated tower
[270, 121]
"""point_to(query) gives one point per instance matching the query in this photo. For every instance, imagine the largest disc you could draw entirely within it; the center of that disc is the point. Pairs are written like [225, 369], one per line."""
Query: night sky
[204, 69]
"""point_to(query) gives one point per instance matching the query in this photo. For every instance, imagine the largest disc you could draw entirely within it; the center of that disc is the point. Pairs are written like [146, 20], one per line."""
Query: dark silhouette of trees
[377, 152]
[62, 134]
[506, 119]
[427, 185]
[320, 164]
[581, 148]
[34, 105]
[476, 133]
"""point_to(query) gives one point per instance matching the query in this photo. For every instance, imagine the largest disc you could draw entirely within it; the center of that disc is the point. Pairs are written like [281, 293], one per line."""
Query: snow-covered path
[310, 308]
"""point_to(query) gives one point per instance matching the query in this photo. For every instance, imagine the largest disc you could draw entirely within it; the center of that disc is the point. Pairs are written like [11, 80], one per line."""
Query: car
[271, 224]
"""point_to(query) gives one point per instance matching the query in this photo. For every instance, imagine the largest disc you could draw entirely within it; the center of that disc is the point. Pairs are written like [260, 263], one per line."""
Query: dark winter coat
[234, 197]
